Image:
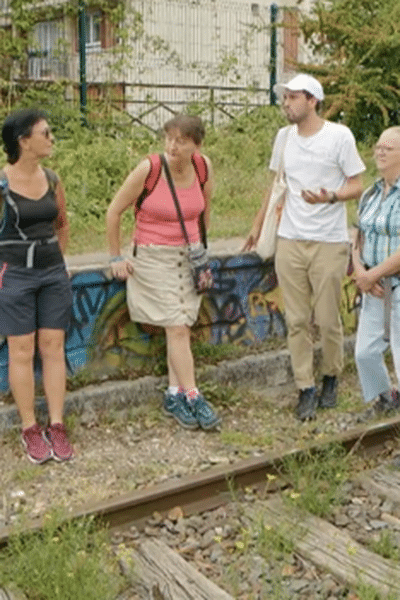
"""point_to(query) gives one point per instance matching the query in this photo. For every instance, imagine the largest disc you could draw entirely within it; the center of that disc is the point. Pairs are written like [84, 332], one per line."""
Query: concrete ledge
[270, 369]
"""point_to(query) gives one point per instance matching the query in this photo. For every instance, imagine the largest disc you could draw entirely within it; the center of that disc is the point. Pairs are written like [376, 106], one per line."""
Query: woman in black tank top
[35, 293]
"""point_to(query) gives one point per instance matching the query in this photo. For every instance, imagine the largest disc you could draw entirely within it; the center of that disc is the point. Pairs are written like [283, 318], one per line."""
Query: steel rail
[218, 485]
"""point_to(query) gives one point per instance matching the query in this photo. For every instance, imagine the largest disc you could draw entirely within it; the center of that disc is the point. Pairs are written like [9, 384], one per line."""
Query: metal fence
[151, 104]
[215, 54]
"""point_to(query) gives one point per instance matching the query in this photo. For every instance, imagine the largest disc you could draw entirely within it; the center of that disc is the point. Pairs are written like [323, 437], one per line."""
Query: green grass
[245, 440]
[317, 478]
[386, 546]
[27, 474]
[367, 592]
[64, 561]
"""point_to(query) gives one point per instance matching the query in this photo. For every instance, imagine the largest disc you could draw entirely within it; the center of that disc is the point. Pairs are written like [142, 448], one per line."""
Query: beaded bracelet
[115, 259]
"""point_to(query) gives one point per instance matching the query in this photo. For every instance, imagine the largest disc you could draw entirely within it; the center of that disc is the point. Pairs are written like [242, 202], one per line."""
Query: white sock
[173, 390]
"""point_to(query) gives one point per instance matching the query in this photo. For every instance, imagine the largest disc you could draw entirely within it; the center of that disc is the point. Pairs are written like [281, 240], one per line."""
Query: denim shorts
[32, 299]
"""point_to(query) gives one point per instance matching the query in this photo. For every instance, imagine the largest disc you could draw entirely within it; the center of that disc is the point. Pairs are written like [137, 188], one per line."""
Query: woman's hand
[121, 269]
[367, 282]
[377, 291]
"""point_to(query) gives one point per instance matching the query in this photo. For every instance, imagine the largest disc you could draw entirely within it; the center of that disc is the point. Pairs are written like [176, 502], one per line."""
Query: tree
[356, 47]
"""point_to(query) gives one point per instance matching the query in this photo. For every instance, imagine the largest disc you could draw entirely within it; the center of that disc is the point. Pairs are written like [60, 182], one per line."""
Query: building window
[93, 30]
[47, 58]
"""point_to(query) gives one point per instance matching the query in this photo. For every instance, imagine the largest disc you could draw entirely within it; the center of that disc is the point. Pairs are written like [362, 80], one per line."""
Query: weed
[80, 379]
[64, 561]
[317, 479]
[206, 353]
[220, 395]
[70, 422]
[367, 592]
[12, 437]
[274, 541]
[245, 440]
[386, 546]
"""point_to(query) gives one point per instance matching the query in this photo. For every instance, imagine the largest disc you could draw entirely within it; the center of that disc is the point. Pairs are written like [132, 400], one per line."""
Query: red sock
[191, 393]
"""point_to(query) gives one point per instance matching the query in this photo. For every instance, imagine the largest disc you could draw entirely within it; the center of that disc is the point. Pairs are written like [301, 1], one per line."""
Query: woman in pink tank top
[160, 289]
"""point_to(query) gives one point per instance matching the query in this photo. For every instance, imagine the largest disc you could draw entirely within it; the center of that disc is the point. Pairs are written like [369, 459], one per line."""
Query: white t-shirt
[323, 160]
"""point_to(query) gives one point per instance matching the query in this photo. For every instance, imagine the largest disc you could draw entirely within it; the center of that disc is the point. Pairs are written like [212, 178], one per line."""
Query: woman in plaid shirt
[376, 257]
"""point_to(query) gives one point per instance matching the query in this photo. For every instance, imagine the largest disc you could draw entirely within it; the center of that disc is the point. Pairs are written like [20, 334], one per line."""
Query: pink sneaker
[57, 437]
[37, 447]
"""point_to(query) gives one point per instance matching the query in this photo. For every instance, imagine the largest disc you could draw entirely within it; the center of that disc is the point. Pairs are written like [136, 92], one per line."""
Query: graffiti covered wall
[243, 307]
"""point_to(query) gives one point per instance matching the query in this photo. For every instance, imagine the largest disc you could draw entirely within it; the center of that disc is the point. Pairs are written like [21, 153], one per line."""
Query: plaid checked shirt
[379, 224]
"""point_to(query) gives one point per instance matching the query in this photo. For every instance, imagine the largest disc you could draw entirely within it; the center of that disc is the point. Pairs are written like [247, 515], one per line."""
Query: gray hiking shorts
[32, 299]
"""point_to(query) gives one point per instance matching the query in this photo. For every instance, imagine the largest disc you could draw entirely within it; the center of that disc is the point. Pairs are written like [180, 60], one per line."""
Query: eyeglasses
[380, 148]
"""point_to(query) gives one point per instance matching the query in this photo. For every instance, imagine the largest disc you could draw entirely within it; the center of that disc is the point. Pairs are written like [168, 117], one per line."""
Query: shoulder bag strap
[201, 170]
[174, 197]
[280, 167]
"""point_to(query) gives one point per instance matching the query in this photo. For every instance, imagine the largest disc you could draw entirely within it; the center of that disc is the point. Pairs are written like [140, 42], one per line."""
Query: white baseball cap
[301, 83]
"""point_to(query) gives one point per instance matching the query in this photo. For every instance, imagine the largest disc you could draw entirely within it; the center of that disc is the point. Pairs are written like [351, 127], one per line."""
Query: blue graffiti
[237, 310]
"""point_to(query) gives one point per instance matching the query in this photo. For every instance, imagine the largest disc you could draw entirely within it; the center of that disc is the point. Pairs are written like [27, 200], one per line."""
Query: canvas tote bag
[266, 244]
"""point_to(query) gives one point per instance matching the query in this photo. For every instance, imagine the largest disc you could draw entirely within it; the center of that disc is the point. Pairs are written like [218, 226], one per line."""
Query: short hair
[17, 125]
[318, 105]
[394, 129]
[189, 125]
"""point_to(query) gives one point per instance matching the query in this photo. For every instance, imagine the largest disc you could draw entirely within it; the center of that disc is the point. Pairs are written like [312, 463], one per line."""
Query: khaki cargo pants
[310, 276]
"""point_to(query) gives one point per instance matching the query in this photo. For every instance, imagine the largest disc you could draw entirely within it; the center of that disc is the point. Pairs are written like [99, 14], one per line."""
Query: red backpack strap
[151, 180]
[201, 168]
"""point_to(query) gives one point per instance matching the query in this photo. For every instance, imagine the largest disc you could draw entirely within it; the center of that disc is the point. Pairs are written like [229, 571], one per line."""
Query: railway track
[206, 492]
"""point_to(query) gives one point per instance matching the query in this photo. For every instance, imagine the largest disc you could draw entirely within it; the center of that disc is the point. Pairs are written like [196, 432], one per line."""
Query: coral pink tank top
[157, 221]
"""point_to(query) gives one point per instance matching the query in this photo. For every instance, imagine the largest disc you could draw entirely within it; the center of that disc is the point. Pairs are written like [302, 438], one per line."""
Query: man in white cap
[322, 170]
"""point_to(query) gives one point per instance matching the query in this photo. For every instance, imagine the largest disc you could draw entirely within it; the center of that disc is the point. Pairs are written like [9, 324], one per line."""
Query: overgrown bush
[93, 162]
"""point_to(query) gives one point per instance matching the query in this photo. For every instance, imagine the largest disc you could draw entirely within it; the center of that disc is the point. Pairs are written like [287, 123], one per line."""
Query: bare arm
[61, 222]
[255, 230]
[350, 190]
[126, 196]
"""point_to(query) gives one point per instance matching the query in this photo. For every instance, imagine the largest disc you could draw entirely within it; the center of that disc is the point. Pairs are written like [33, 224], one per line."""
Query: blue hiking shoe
[204, 413]
[176, 406]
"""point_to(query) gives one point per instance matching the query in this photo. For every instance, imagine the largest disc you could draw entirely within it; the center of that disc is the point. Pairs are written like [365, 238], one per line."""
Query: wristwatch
[333, 198]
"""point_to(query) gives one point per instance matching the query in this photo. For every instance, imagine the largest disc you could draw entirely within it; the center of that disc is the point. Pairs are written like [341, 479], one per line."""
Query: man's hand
[278, 212]
[321, 197]
[251, 239]
[249, 243]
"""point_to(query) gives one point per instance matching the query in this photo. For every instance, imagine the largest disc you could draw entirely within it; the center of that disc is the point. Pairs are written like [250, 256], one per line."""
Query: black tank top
[35, 218]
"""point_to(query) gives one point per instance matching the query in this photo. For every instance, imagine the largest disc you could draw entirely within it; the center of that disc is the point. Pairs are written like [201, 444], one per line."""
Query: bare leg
[181, 371]
[51, 348]
[180, 357]
[21, 350]
[172, 377]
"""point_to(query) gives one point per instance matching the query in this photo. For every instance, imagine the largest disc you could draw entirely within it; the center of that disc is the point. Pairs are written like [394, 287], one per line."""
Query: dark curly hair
[17, 125]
